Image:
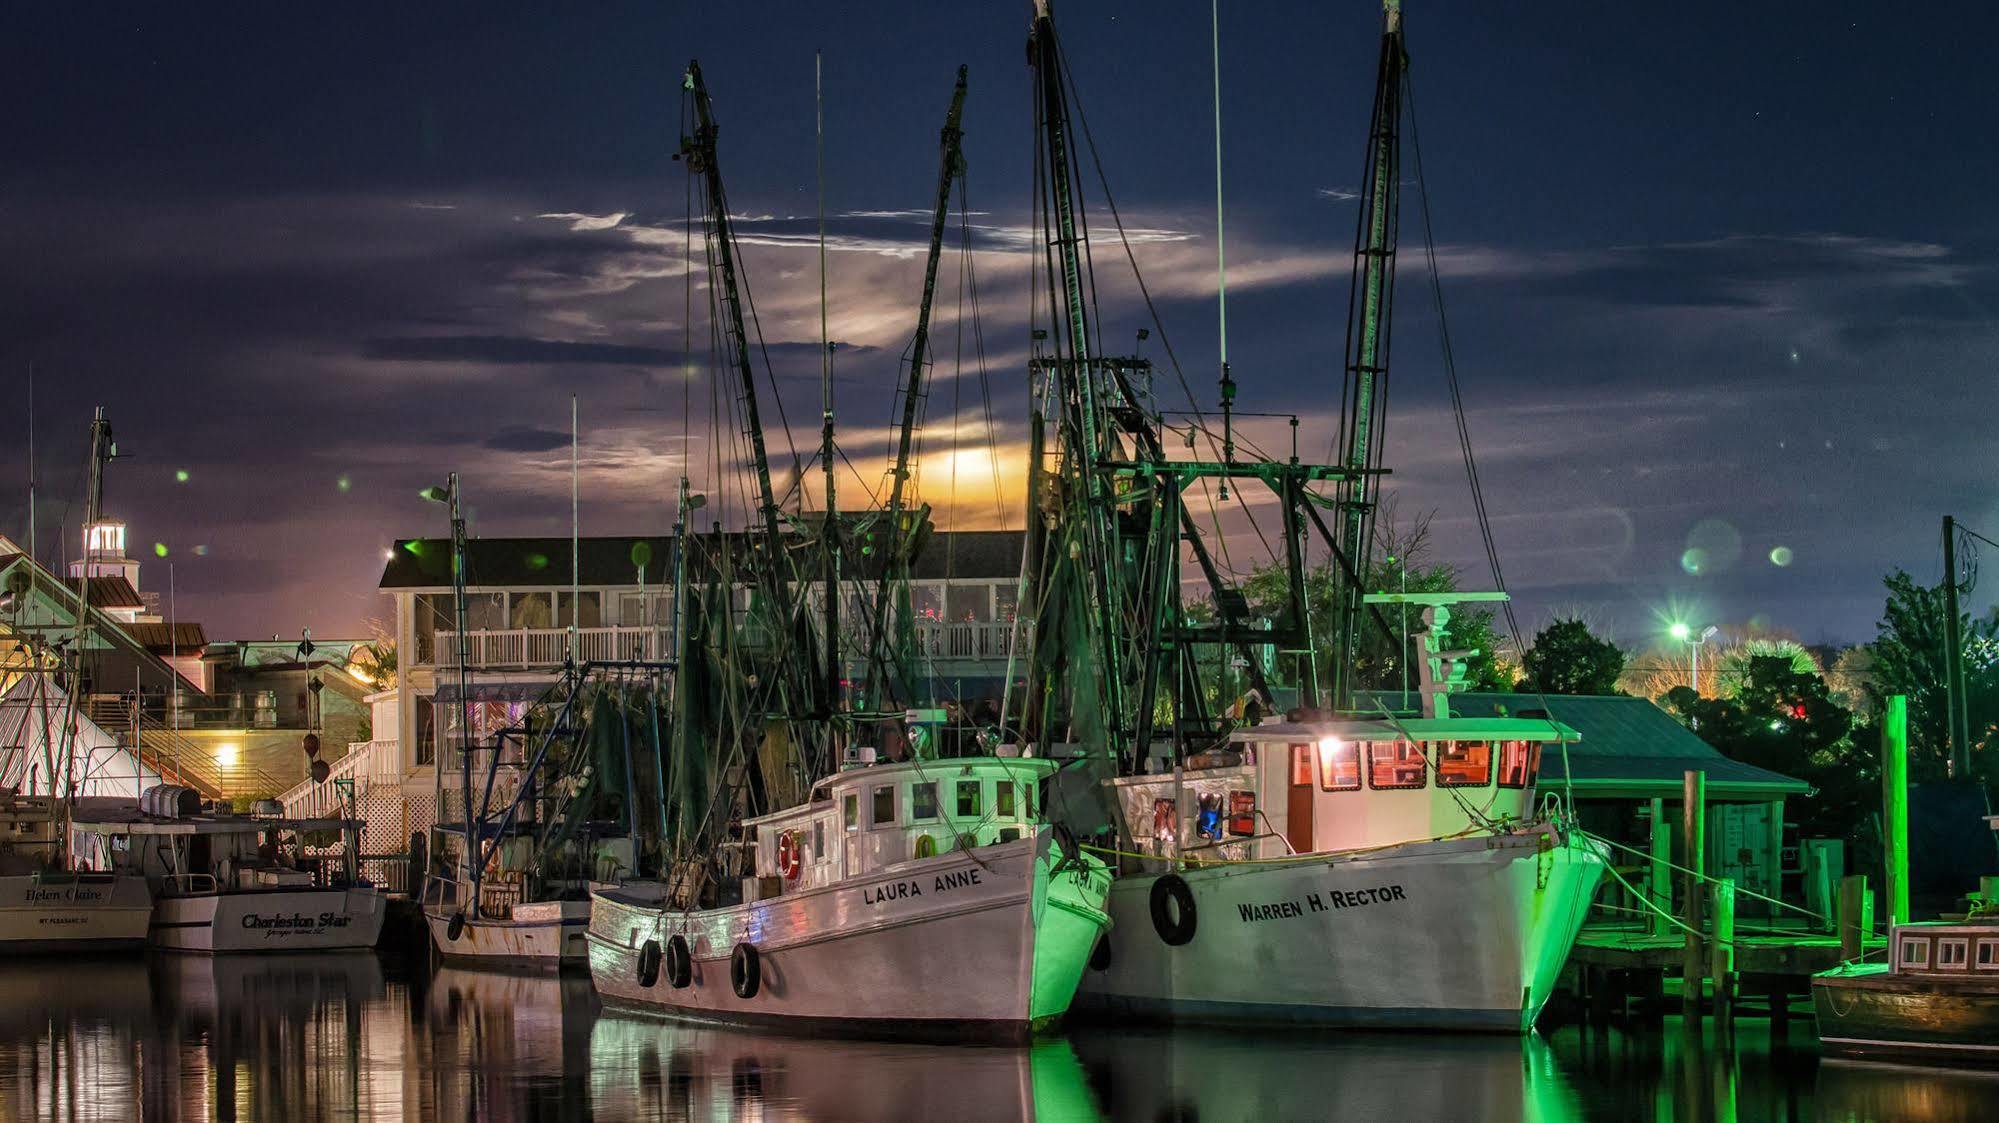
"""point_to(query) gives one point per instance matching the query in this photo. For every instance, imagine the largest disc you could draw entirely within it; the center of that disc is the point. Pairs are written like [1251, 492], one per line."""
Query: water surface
[298, 1038]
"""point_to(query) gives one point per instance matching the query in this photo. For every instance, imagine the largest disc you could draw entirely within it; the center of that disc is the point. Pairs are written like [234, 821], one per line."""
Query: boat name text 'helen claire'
[1313, 902]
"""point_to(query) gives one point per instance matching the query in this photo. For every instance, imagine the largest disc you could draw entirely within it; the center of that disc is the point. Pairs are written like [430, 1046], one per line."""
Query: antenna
[1221, 256]
[830, 534]
[575, 540]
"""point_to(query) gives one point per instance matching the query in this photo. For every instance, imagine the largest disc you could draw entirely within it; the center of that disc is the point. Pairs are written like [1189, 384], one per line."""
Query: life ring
[789, 859]
[745, 971]
[649, 956]
[926, 846]
[1176, 925]
[679, 964]
[456, 928]
[1100, 956]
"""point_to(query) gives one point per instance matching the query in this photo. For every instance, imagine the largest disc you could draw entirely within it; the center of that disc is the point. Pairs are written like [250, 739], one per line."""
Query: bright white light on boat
[1327, 747]
[227, 753]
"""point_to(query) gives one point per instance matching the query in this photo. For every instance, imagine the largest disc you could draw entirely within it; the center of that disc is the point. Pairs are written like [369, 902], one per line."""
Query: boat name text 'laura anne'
[901, 890]
[297, 922]
[1339, 899]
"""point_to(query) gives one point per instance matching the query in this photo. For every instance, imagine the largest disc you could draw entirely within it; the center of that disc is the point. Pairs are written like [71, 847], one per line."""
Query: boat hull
[984, 944]
[544, 933]
[1463, 934]
[273, 920]
[1867, 1012]
[88, 912]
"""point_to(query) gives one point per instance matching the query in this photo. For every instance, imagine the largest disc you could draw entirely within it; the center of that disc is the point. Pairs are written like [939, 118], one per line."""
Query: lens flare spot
[180, 476]
[201, 551]
[344, 484]
[1694, 561]
[1780, 556]
[159, 549]
[1718, 543]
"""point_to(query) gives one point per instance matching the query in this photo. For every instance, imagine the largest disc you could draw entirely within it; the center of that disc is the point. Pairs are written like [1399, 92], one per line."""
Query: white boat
[919, 897]
[503, 933]
[236, 883]
[1353, 872]
[45, 907]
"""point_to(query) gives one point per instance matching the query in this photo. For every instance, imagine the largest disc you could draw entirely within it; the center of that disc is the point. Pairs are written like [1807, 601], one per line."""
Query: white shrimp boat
[922, 897]
[1352, 872]
[44, 907]
[236, 883]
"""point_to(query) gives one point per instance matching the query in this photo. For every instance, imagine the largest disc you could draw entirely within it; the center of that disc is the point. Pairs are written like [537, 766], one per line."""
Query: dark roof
[109, 591]
[425, 563]
[160, 638]
[1629, 747]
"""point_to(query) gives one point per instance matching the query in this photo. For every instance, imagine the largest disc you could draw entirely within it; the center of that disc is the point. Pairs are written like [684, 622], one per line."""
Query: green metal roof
[1629, 747]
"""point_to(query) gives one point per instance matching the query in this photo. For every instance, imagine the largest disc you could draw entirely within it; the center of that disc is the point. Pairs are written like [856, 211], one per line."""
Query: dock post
[1693, 836]
[1721, 951]
[1895, 805]
[1659, 877]
[1853, 918]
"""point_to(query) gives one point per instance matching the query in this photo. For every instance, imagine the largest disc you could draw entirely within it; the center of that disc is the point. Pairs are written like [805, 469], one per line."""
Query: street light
[1685, 634]
[449, 496]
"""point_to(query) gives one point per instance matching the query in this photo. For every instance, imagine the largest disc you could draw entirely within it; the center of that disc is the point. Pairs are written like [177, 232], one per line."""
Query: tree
[1567, 658]
[1399, 562]
[1787, 721]
[1908, 659]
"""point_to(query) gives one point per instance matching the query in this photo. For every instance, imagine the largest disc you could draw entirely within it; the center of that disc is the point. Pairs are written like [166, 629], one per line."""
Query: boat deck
[1614, 963]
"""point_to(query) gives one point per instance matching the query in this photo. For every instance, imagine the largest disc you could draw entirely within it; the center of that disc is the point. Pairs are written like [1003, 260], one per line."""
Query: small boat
[922, 897]
[1937, 997]
[235, 883]
[47, 907]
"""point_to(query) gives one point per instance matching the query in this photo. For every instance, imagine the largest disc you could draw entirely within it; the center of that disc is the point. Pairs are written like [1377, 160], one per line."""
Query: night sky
[1718, 275]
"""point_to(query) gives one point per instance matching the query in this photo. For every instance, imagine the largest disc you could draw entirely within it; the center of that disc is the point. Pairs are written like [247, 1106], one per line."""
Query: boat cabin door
[1298, 803]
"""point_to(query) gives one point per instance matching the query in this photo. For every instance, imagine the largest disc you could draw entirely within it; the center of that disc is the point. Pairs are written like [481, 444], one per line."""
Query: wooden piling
[1659, 875]
[1721, 950]
[1693, 836]
[1853, 918]
[1895, 805]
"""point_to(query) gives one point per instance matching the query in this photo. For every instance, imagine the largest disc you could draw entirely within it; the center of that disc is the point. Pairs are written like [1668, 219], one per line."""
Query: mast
[102, 449]
[1364, 400]
[794, 671]
[1957, 725]
[950, 169]
[830, 533]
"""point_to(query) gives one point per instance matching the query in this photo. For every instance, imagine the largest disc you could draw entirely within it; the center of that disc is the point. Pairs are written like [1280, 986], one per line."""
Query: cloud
[513, 349]
[1337, 194]
[524, 439]
[580, 222]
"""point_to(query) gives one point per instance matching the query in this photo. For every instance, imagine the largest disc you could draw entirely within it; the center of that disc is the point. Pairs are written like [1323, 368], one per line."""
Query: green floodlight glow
[1681, 632]
[180, 476]
[537, 561]
[435, 494]
[159, 549]
[344, 484]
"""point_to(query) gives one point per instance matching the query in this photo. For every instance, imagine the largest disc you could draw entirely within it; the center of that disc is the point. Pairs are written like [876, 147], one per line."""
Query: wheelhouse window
[1339, 764]
[819, 841]
[1394, 764]
[969, 805]
[1953, 953]
[1464, 764]
[1301, 766]
[1988, 955]
[1003, 800]
[882, 813]
[1519, 763]
[923, 803]
[1915, 953]
[850, 811]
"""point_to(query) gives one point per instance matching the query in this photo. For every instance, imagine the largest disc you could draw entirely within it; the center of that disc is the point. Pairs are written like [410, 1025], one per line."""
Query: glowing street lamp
[1685, 634]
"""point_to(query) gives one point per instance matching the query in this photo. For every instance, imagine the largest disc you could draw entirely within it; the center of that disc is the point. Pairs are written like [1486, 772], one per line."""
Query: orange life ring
[789, 859]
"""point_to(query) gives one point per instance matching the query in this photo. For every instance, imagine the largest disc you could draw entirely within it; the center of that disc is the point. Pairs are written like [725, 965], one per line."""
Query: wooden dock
[1614, 964]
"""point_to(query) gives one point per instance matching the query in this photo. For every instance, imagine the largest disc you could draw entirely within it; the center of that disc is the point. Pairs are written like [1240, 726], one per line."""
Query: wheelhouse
[1942, 948]
[871, 816]
[1307, 787]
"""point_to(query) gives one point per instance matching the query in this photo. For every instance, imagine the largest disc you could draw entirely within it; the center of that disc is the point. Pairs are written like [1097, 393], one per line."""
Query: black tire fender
[456, 928]
[1175, 925]
[649, 957]
[745, 971]
[679, 963]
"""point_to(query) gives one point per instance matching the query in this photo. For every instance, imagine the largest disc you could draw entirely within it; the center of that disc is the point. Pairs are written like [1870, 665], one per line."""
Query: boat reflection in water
[507, 1045]
[647, 1068]
[1850, 1089]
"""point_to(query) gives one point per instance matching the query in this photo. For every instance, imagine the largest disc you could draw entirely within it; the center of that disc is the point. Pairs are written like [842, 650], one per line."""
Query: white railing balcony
[973, 641]
[366, 762]
[547, 647]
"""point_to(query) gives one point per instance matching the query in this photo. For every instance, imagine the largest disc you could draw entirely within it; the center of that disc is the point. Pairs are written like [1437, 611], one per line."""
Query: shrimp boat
[45, 906]
[1346, 864]
[234, 883]
[1379, 872]
[920, 897]
[811, 884]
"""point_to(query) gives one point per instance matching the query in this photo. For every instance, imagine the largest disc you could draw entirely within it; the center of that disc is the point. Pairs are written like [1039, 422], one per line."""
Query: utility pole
[1957, 724]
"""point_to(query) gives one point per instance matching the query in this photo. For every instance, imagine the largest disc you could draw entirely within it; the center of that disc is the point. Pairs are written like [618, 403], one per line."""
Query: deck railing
[547, 647]
[365, 763]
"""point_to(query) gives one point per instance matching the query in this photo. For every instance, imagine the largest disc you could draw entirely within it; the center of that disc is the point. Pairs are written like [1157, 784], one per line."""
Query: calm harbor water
[354, 1036]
